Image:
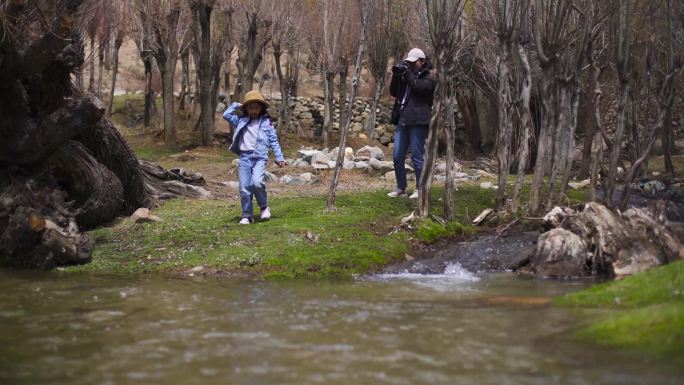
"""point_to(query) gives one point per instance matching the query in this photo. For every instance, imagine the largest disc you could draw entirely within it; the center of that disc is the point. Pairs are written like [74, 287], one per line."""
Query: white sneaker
[245, 221]
[266, 213]
[414, 195]
[397, 193]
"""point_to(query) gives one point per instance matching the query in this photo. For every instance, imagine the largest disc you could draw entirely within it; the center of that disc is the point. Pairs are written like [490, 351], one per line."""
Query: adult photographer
[413, 89]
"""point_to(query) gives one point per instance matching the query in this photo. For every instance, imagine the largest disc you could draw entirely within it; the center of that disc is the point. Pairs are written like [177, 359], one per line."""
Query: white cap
[415, 54]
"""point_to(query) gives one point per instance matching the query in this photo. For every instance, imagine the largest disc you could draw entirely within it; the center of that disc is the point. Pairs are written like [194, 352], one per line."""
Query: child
[253, 135]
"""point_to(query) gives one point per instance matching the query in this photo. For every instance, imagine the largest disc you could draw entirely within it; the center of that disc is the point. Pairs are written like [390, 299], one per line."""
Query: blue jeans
[405, 138]
[251, 172]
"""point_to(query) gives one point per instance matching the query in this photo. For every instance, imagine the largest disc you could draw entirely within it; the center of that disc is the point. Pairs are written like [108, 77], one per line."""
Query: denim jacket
[266, 137]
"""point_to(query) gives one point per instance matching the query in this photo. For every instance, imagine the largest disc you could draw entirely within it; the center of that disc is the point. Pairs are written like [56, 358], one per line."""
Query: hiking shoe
[266, 213]
[397, 193]
[245, 221]
[414, 195]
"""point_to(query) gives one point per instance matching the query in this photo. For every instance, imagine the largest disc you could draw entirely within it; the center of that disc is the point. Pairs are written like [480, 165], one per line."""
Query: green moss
[647, 312]
[153, 153]
[657, 330]
[660, 285]
[430, 231]
[300, 240]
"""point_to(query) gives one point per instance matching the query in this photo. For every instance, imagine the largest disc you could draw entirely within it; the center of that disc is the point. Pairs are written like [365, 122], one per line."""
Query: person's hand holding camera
[400, 68]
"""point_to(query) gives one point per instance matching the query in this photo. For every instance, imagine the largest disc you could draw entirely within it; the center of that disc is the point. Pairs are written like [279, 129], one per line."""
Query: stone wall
[308, 113]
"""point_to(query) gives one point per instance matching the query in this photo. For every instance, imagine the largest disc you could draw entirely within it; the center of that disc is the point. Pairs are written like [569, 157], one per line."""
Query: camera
[401, 67]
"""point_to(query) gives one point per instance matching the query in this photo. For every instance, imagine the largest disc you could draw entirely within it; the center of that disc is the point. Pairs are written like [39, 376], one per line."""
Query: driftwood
[164, 184]
[597, 241]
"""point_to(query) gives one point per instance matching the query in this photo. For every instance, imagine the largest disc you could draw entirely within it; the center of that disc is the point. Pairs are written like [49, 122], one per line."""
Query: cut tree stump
[597, 241]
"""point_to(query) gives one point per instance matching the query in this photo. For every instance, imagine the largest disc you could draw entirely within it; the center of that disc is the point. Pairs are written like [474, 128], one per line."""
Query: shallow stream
[454, 328]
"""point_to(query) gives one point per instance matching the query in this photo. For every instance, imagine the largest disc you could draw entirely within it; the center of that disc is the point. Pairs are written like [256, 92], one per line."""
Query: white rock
[486, 185]
[307, 176]
[269, 177]
[361, 165]
[579, 185]
[332, 164]
[306, 155]
[143, 215]
[320, 158]
[231, 184]
[348, 164]
[370, 152]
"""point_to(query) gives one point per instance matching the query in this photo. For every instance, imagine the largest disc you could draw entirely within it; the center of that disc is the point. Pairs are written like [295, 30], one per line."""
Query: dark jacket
[418, 107]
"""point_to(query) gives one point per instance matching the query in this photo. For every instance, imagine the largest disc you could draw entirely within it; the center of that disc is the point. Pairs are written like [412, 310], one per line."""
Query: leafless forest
[576, 89]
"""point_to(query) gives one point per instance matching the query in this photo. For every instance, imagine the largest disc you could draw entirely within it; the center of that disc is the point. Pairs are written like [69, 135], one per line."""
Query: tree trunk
[505, 131]
[425, 181]
[450, 129]
[667, 141]
[185, 77]
[115, 70]
[342, 100]
[67, 166]
[468, 108]
[328, 103]
[284, 110]
[347, 122]
[100, 68]
[525, 127]
[203, 41]
[597, 143]
[590, 128]
[610, 179]
[372, 116]
[91, 64]
[545, 142]
[97, 191]
[570, 141]
[167, 98]
[149, 93]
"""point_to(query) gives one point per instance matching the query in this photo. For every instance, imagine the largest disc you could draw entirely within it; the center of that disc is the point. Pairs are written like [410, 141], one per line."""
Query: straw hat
[254, 96]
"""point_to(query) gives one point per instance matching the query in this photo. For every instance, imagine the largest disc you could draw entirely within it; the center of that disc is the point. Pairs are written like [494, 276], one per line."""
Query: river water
[455, 328]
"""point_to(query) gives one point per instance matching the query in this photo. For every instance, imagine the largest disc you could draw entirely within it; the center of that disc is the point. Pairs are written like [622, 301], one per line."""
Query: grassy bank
[646, 312]
[301, 240]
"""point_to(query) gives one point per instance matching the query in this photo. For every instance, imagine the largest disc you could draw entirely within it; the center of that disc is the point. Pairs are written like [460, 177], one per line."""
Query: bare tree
[505, 16]
[166, 19]
[325, 45]
[288, 33]
[385, 39]
[561, 34]
[119, 12]
[253, 37]
[621, 30]
[444, 23]
[344, 130]
[671, 53]
[526, 129]
[210, 52]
